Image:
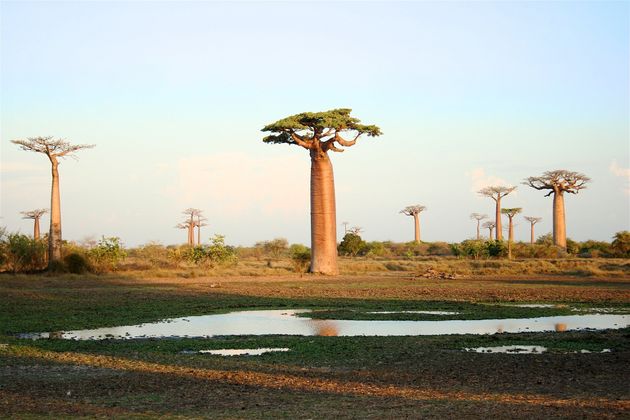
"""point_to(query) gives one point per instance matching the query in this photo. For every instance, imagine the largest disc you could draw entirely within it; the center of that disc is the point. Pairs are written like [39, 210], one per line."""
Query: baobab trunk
[478, 233]
[490, 237]
[199, 235]
[36, 229]
[559, 226]
[417, 220]
[531, 240]
[498, 227]
[54, 240]
[323, 216]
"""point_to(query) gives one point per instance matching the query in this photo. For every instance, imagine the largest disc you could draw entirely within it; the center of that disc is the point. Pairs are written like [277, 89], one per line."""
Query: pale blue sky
[174, 95]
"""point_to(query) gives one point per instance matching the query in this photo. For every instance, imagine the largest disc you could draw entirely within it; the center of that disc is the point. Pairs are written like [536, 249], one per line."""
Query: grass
[346, 377]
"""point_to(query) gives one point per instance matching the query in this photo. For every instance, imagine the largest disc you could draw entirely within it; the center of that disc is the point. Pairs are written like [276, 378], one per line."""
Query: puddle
[284, 322]
[416, 312]
[243, 352]
[509, 349]
[536, 305]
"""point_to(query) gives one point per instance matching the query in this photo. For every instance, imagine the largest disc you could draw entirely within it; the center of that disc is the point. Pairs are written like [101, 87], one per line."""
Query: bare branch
[558, 181]
[299, 140]
[413, 210]
[496, 191]
[478, 216]
[50, 147]
[34, 214]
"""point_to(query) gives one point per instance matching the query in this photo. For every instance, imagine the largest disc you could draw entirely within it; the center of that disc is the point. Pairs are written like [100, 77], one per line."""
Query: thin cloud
[619, 171]
[480, 179]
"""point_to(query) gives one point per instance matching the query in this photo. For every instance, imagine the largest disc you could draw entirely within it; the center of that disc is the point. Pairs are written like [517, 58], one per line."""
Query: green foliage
[497, 248]
[215, 254]
[315, 123]
[595, 249]
[573, 248]
[22, 253]
[275, 248]
[376, 249]
[300, 257]
[472, 248]
[107, 254]
[76, 263]
[154, 254]
[546, 239]
[621, 244]
[351, 245]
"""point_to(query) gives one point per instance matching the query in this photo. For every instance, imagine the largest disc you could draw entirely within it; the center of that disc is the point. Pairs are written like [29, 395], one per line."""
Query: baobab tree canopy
[413, 210]
[50, 147]
[319, 130]
[558, 181]
[495, 192]
[511, 212]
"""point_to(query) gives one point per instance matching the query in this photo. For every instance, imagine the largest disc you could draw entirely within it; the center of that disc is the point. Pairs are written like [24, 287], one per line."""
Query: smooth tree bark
[497, 192]
[558, 182]
[510, 213]
[414, 211]
[35, 215]
[200, 223]
[319, 133]
[54, 149]
[532, 221]
[490, 226]
[478, 217]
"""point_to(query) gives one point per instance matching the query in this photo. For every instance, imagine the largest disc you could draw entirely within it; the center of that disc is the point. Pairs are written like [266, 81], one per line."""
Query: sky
[174, 95]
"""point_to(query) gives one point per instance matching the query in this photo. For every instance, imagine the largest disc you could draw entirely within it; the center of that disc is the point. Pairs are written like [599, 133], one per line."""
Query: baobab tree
[186, 225]
[319, 133]
[54, 150]
[532, 221]
[414, 211]
[478, 217]
[490, 225]
[199, 223]
[191, 223]
[497, 192]
[558, 182]
[35, 215]
[510, 213]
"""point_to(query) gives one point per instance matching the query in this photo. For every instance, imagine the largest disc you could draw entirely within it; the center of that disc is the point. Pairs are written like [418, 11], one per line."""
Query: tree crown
[319, 130]
[489, 224]
[496, 192]
[533, 220]
[34, 214]
[558, 181]
[50, 147]
[511, 212]
[478, 216]
[413, 210]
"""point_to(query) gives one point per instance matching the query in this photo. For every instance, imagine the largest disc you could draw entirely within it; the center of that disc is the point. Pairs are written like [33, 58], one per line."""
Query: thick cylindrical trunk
[559, 226]
[54, 236]
[478, 233]
[490, 236]
[36, 229]
[511, 231]
[198, 235]
[531, 240]
[323, 216]
[497, 213]
[416, 219]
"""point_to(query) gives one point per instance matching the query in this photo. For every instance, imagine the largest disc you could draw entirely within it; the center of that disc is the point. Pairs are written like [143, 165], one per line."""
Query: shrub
[300, 257]
[472, 248]
[351, 245]
[107, 254]
[22, 253]
[76, 263]
[215, 254]
[621, 244]
[439, 248]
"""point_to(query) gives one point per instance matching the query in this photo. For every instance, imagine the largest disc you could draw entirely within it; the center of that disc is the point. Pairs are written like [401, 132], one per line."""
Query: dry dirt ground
[340, 377]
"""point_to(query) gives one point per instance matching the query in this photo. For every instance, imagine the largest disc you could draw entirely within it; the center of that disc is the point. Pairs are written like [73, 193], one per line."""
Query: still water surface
[285, 322]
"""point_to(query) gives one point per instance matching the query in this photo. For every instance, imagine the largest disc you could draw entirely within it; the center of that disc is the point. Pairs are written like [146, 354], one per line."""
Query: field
[322, 376]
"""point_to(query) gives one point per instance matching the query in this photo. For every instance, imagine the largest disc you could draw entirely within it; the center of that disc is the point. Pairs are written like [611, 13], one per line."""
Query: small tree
[532, 221]
[478, 217]
[621, 244]
[559, 182]
[319, 133]
[510, 213]
[496, 193]
[35, 215]
[414, 211]
[351, 244]
[490, 226]
[53, 149]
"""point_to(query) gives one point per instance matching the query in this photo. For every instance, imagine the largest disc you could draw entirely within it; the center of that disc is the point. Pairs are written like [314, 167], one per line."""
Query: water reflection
[508, 349]
[243, 352]
[284, 322]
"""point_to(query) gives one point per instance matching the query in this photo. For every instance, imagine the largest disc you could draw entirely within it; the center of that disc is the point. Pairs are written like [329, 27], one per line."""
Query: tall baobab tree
[558, 182]
[191, 223]
[415, 211]
[186, 225]
[199, 223]
[510, 213]
[54, 149]
[532, 221]
[490, 225]
[35, 215]
[478, 217]
[319, 133]
[497, 192]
